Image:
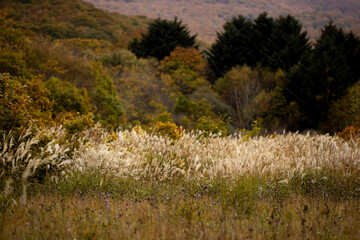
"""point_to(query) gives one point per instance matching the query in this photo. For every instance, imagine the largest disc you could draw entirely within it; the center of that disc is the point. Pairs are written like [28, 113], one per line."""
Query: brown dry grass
[137, 185]
[91, 217]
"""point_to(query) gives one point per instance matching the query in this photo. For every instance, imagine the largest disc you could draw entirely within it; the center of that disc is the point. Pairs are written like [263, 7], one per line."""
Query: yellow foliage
[169, 130]
[185, 57]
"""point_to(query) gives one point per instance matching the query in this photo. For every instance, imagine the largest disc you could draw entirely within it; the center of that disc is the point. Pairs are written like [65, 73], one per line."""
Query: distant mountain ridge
[205, 17]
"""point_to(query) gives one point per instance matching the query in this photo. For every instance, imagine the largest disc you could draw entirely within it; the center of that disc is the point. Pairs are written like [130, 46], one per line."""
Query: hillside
[73, 57]
[62, 19]
[207, 17]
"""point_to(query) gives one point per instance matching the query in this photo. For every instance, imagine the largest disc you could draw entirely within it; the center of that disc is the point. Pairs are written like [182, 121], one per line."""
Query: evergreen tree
[233, 46]
[262, 39]
[325, 74]
[290, 43]
[272, 43]
[162, 38]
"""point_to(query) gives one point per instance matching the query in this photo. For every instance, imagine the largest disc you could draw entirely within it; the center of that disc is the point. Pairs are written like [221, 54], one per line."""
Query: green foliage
[23, 102]
[262, 39]
[105, 99]
[121, 57]
[14, 102]
[199, 115]
[76, 123]
[232, 46]
[210, 125]
[187, 69]
[144, 92]
[345, 111]
[163, 117]
[161, 39]
[194, 110]
[254, 132]
[196, 104]
[13, 63]
[278, 43]
[186, 80]
[324, 75]
[67, 98]
[218, 106]
[290, 41]
[249, 93]
[278, 106]
[169, 130]
[71, 19]
[14, 46]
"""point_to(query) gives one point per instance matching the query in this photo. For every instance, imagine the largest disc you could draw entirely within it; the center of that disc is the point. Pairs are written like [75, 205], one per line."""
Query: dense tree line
[315, 77]
[263, 70]
[324, 75]
[274, 43]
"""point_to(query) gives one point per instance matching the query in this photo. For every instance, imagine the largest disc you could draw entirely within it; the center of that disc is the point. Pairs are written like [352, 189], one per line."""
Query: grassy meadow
[136, 184]
[70, 73]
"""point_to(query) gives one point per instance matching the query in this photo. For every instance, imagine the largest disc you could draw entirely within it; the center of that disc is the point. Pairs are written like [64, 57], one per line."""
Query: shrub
[210, 125]
[67, 98]
[105, 98]
[23, 102]
[350, 133]
[169, 130]
[256, 129]
[344, 111]
[78, 123]
[121, 57]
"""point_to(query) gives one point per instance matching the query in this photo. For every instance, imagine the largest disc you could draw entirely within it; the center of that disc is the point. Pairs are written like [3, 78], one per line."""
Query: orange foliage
[350, 133]
[185, 57]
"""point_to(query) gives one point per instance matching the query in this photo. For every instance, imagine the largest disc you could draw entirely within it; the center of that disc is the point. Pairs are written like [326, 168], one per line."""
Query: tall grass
[136, 184]
[142, 155]
[20, 157]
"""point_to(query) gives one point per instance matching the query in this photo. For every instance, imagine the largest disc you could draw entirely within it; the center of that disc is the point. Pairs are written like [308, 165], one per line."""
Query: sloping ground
[207, 17]
[63, 19]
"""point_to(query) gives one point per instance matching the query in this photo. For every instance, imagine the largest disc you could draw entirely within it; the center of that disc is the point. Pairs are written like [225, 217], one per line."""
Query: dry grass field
[132, 184]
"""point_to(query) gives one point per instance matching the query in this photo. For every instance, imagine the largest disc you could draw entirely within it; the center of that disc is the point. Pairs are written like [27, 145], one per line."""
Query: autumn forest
[116, 125]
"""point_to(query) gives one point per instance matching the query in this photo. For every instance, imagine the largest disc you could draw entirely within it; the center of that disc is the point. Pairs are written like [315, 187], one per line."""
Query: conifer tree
[233, 46]
[290, 43]
[324, 75]
[275, 44]
[262, 39]
[162, 38]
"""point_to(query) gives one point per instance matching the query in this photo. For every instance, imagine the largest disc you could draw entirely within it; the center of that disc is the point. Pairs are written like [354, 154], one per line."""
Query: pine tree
[325, 74]
[271, 43]
[262, 39]
[232, 46]
[162, 38]
[290, 43]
